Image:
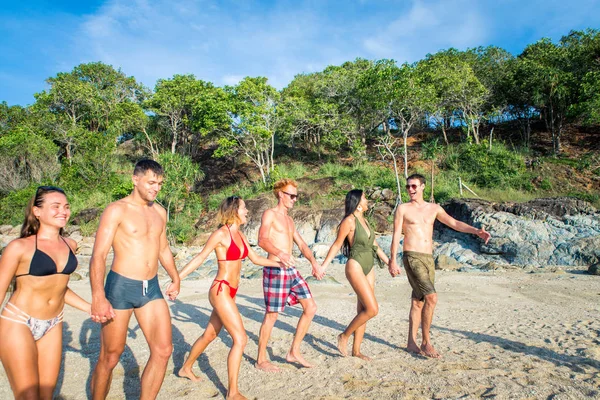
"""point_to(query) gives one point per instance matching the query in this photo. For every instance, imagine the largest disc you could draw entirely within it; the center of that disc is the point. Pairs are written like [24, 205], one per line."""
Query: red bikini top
[233, 252]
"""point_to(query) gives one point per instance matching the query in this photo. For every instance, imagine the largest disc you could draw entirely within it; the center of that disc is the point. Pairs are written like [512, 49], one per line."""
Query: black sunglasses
[412, 186]
[292, 196]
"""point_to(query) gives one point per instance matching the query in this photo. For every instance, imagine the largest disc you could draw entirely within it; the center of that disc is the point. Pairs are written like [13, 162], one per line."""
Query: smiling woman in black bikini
[231, 247]
[40, 262]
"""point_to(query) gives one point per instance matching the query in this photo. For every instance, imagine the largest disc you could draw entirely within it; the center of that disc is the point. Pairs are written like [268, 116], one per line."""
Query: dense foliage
[85, 131]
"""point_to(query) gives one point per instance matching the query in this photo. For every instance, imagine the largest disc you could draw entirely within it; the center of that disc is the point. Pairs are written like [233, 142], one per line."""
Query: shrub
[497, 167]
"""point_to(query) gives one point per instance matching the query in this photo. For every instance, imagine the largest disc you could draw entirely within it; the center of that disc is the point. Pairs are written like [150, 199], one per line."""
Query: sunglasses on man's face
[292, 196]
[413, 187]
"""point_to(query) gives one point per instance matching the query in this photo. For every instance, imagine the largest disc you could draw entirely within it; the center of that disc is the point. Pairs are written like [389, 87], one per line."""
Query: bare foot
[413, 348]
[428, 351]
[236, 396]
[342, 345]
[297, 358]
[361, 356]
[187, 373]
[267, 366]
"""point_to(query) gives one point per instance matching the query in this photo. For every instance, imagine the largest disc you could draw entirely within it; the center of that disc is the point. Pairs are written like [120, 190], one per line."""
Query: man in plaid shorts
[276, 236]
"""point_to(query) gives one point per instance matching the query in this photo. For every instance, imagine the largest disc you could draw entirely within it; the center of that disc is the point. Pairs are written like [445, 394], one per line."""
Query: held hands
[484, 235]
[317, 271]
[173, 290]
[102, 311]
[393, 267]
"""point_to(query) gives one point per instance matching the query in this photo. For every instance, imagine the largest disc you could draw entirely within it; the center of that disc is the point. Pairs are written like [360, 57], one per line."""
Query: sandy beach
[504, 335]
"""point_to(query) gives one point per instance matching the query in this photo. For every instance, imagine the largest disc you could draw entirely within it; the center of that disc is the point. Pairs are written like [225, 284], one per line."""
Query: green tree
[549, 84]
[181, 174]
[309, 119]
[458, 91]
[26, 157]
[430, 151]
[253, 120]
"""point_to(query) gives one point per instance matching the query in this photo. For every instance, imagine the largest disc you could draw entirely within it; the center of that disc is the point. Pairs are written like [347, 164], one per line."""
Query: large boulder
[540, 232]
[87, 215]
[381, 213]
[330, 219]
[307, 223]
[256, 208]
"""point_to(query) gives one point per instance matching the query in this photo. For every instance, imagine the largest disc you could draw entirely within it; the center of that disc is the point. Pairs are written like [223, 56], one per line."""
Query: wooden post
[460, 186]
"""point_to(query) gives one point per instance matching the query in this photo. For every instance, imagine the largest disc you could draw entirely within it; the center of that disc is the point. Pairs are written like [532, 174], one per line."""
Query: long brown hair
[353, 198]
[228, 211]
[31, 225]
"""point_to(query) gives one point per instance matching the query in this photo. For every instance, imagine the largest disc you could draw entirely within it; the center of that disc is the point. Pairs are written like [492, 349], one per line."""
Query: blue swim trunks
[124, 293]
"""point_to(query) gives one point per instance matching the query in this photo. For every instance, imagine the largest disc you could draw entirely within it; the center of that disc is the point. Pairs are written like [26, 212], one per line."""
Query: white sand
[503, 335]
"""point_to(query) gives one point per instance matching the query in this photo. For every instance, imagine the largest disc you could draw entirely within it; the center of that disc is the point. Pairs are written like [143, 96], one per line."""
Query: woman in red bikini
[40, 263]
[231, 247]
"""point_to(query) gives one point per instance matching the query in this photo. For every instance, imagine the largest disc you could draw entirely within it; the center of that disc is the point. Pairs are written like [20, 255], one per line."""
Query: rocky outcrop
[541, 232]
[530, 235]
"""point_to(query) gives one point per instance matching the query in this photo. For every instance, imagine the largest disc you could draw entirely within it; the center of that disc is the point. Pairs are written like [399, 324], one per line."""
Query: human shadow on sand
[185, 312]
[89, 340]
[257, 313]
[572, 362]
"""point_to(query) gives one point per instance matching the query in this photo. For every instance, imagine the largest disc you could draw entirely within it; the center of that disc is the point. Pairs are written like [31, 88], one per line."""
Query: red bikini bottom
[232, 290]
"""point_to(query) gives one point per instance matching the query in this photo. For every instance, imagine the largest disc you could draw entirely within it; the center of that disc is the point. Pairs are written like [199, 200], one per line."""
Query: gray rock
[446, 263]
[86, 215]
[307, 223]
[256, 208]
[537, 233]
[388, 195]
[330, 219]
[76, 236]
[85, 250]
[5, 229]
[327, 280]
[252, 273]
[320, 250]
[75, 277]
[594, 269]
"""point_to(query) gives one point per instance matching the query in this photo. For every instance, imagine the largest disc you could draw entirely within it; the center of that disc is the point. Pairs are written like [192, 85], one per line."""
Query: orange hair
[280, 184]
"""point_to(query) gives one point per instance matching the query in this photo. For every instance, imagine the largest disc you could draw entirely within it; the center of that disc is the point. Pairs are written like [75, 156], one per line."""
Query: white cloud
[427, 27]
[231, 79]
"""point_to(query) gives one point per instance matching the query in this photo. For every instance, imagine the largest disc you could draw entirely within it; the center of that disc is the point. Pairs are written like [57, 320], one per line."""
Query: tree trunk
[445, 136]
[431, 198]
[405, 137]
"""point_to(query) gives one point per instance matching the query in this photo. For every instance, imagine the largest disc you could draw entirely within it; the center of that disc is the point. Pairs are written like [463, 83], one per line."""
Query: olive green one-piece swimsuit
[363, 251]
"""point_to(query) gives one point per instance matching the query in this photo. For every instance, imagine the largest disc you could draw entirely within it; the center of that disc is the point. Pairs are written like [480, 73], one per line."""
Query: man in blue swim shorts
[135, 227]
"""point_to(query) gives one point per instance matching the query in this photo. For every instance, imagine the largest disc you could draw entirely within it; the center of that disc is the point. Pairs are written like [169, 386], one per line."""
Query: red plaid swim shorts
[283, 285]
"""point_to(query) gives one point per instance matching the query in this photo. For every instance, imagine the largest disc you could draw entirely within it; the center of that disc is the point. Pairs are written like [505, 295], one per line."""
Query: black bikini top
[43, 265]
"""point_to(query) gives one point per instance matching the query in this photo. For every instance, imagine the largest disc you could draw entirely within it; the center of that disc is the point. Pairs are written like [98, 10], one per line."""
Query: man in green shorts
[416, 219]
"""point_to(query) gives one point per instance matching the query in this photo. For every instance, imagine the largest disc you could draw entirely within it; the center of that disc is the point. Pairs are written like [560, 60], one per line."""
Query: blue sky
[223, 41]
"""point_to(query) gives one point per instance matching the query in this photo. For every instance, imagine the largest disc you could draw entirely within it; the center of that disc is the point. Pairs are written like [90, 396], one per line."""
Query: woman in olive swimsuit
[357, 241]
[231, 247]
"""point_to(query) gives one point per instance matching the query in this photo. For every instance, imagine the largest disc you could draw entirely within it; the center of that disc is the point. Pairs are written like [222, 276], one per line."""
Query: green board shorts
[420, 270]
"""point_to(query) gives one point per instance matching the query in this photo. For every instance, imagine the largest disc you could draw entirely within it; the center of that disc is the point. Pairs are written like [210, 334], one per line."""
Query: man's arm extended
[307, 252]
[398, 221]
[165, 256]
[101, 310]
[447, 220]
[265, 242]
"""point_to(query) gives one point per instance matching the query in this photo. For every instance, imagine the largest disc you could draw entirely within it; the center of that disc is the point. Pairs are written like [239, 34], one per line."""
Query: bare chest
[419, 216]
[141, 224]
